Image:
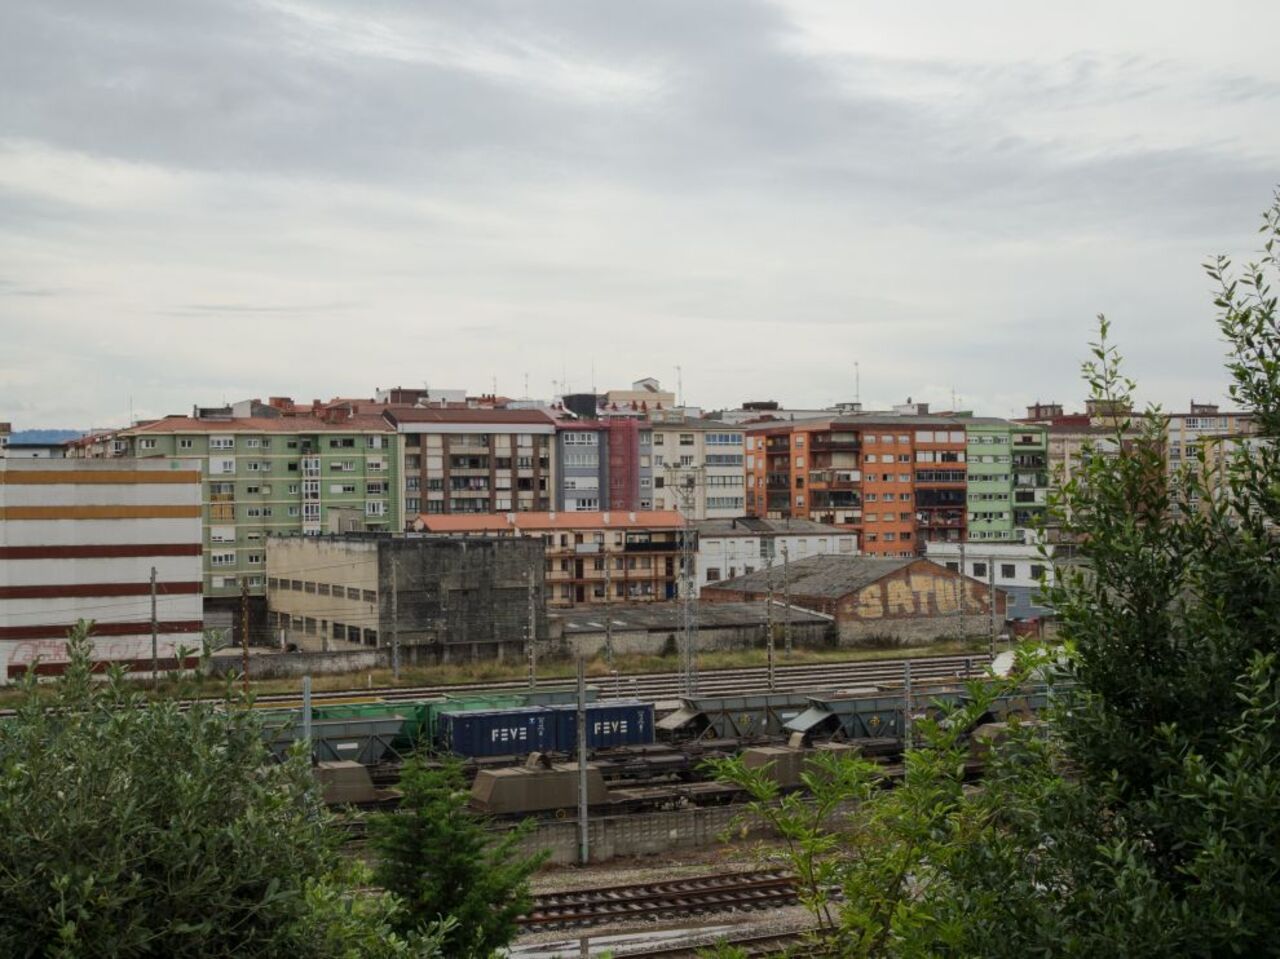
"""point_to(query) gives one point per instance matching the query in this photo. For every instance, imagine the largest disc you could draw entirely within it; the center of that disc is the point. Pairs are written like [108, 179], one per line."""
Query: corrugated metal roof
[828, 576]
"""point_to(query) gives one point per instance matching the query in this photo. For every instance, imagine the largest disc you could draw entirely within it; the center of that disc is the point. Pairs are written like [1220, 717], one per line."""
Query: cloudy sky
[209, 199]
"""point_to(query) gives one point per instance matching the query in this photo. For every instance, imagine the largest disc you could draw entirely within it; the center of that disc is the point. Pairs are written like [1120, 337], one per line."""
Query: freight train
[637, 759]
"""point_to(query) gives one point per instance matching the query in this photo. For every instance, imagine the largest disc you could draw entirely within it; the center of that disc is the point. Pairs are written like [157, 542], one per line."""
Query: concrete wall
[917, 605]
[287, 665]
[645, 834]
[653, 642]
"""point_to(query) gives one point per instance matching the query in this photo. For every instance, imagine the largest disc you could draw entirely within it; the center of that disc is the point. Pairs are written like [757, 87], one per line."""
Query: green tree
[442, 860]
[134, 829]
[1140, 819]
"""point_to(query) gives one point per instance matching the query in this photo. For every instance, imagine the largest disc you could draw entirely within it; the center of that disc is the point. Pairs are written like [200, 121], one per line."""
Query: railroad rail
[759, 889]
[711, 682]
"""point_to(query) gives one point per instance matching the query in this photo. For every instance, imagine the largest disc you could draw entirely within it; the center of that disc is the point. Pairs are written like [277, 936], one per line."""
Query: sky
[208, 200]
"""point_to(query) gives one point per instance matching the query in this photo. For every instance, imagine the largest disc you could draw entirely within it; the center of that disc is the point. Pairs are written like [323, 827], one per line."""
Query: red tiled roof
[263, 424]
[532, 522]
[437, 415]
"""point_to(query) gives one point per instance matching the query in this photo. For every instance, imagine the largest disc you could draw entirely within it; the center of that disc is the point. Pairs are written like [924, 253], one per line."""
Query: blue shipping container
[613, 723]
[498, 732]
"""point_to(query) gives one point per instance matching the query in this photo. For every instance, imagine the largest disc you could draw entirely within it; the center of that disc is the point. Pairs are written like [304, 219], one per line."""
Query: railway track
[760, 889]
[711, 682]
[669, 685]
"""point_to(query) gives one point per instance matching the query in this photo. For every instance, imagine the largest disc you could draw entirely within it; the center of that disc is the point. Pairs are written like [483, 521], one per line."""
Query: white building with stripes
[79, 539]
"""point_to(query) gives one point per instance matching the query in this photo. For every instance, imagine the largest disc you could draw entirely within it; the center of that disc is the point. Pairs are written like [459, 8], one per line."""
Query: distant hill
[44, 436]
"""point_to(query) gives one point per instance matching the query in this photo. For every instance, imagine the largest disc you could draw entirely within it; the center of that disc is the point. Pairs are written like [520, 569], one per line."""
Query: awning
[811, 717]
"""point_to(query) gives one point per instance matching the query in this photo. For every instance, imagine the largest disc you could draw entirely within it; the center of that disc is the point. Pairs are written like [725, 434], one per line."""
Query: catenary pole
[584, 851]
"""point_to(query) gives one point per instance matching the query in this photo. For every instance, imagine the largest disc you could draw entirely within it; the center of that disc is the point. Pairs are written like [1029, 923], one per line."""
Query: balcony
[663, 546]
[940, 520]
[778, 444]
[1031, 480]
[835, 479]
[842, 499]
[835, 442]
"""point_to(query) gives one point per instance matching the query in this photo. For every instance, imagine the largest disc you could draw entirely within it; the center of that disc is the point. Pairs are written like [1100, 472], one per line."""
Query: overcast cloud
[209, 199]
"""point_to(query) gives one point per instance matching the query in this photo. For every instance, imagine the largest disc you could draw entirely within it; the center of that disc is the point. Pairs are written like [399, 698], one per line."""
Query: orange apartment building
[592, 557]
[897, 480]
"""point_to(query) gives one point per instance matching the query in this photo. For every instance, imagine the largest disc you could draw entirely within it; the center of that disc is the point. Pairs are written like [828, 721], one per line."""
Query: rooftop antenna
[526, 384]
[593, 374]
[953, 399]
[857, 383]
[680, 387]
[495, 384]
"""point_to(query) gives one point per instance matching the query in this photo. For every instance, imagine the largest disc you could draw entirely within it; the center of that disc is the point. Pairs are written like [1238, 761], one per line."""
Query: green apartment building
[1007, 477]
[283, 474]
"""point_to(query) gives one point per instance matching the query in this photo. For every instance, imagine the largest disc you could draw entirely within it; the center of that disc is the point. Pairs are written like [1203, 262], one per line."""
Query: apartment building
[696, 465]
[80, 540]
[1186, 433]
[475, 460]
[5, 430]
[281, 474]
[1008, 479]
[591, 558]
[900, 479]
[582, 466]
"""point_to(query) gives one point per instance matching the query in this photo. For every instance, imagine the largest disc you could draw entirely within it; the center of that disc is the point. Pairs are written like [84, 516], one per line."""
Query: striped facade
[78, 540]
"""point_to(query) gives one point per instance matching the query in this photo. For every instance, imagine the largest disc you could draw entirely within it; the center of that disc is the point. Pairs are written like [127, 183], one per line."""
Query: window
[295, 511]
[657, 439]
[252, 443]
[146, 444]
[255, 558]
[222, 558]
[308, 587]
[953, 566]
[1037, 572]
[342, 466]
[686, 439]
[222, 442]
[1007, 571]
[322, 589]
[253, 466]
[222, 534]
[713, 574]
[221, 467]
[979, 569]
[336, 444]
[375, 508]
[184, 444]
[368, 595]
[253, 489]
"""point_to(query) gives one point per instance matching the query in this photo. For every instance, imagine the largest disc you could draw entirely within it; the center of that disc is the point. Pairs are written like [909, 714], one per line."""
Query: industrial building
[443, 599]
[82, 539]
[905, 601]
[591, 558]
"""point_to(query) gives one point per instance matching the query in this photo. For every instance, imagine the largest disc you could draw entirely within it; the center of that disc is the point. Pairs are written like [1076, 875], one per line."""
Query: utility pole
[395, 614]
[531, 646]
[244, 632]
[906, 704]
[786, 598]
[991, 602]
[583, 830]
[768, 619]
[685, 482]
[155, 642]
[608, 615]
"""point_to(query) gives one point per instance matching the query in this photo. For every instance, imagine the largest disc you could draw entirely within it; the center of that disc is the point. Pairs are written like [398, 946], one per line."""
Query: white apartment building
[705, 456]
[728, 548]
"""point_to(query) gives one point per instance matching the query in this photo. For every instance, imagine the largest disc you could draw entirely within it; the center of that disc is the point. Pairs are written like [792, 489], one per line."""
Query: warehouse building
[879, 600]
[80, 539]
[449, 600]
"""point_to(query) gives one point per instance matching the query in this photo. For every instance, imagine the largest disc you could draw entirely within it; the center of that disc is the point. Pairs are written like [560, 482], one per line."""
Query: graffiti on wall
[918, 594]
